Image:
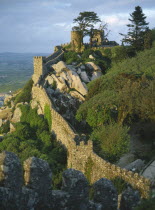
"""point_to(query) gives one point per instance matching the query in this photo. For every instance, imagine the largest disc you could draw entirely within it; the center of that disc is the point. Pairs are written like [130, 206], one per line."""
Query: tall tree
[85, 22]
[137, 29]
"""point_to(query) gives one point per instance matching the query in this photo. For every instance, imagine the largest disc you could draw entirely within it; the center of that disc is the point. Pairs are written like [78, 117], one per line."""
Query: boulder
[76, 83]
[79, 71]
[105, 194]
[77, 95]
[1, 122]
[16, 115]
[82, 67]
[59, 67]
[149, 171]
[5, 113]
[135, 166]
[92, 57]
[130, 199]
[60, 83]
[93, 66]
[126, 160]
[96, 74]
[71, 67]
[84, 76]
[12, 128]
[49, 79]
[75, 183]
[38, 177]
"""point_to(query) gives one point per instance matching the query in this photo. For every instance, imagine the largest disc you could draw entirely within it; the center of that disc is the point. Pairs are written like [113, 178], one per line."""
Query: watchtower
[76, 40]
[98, 37]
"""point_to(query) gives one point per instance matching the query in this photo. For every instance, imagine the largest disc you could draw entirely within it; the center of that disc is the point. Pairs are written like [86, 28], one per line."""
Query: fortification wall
[53, 55]
[55, 59]
[81, 157]
[60, 127]
[84, 159]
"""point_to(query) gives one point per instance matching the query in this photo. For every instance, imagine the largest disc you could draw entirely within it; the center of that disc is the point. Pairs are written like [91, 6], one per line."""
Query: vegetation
[110, 141]
[124, 95]
[88, 168]
[32, 138]
[85, 22]
[137, 29]
[148, 204]
[119, 184]
[47, 115]
[103, 61]
[5, 127]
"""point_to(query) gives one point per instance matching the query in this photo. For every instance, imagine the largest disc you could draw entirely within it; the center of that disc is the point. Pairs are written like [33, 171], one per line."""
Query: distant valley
[15, 70]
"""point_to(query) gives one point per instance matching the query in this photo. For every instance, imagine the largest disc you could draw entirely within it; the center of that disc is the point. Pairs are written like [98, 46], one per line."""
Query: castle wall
[81, 157]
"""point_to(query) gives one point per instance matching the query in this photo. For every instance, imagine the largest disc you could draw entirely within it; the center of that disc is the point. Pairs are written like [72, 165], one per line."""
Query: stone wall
[42, 64]
[55, 58]
[82, 157]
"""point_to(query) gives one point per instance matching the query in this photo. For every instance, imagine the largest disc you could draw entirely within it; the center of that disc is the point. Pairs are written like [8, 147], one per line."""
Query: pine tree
[137, 29]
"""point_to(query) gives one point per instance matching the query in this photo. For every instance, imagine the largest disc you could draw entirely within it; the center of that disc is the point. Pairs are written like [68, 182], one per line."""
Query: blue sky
[39, 25]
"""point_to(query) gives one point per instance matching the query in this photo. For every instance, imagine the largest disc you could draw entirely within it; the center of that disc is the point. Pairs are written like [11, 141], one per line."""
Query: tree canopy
[136, 29]
[85, 22]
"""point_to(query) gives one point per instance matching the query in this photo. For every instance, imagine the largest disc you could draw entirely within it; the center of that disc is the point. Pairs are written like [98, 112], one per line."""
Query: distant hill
[15, 69]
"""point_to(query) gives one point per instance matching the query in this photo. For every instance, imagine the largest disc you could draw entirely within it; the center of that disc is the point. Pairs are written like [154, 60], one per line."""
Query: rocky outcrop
[136, 165]
[149, 171]
[130, 199]
[16, 115]
[37, 191]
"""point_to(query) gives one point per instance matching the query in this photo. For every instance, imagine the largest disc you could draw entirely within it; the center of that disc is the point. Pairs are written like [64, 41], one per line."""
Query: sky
[39, 25]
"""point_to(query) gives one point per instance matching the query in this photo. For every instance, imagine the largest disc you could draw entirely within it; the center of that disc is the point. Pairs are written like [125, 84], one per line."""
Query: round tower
[76, 40]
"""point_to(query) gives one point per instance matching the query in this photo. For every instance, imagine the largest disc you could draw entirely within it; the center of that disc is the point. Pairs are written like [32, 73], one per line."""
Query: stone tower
[76, 40]
[98, 36]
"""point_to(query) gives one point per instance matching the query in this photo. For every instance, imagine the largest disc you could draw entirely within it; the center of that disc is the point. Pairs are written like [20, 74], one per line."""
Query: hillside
[111, 110]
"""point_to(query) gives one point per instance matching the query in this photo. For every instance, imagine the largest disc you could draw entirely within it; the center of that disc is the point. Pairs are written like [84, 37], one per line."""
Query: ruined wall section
[56, 58]
[81, 157]
[84, 159]
[60, 127]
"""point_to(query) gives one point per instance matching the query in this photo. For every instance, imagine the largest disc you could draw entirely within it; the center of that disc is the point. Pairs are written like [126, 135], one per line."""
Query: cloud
[39, 25]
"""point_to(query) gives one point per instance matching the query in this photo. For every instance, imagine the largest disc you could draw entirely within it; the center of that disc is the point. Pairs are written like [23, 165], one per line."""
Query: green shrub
[111, 141]
[32, 137]
[5, 128]
[119, 184]
[71, 56]
[47, 115]
[118, 53]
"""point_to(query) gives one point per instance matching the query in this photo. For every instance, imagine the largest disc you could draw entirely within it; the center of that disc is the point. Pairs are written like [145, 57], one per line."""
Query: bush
[47, 114]
[118, 53]
[32, 137]
[111, 141]
[71, 56]
[119, 184]
[5, 128]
